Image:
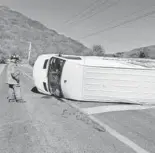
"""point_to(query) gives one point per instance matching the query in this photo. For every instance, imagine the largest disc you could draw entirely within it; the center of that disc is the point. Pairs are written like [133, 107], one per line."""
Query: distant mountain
[16, 30]
[143, 52]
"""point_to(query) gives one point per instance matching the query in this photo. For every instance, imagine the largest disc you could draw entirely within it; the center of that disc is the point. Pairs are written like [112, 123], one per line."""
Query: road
[45, 124]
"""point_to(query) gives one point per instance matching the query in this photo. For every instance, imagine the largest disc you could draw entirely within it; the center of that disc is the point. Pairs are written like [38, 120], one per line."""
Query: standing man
[13, 80]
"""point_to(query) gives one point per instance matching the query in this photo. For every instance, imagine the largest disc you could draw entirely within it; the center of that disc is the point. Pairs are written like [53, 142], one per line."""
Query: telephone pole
[29, 54]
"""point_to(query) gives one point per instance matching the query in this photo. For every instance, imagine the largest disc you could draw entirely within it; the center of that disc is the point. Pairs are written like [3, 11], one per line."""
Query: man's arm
[15, 74]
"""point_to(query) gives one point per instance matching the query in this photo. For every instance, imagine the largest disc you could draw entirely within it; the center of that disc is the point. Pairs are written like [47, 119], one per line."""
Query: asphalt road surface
[45, 124]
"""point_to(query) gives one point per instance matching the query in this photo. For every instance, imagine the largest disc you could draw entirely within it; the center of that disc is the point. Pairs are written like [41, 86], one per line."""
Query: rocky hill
[16, 30]
[143, 52]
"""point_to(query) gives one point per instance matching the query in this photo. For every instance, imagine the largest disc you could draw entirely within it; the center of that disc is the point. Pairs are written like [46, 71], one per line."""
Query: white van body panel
[101, 79]
[119, 85]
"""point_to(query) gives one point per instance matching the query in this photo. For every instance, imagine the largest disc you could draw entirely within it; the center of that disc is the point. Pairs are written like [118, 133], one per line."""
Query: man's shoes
[21, 101]
[12, 100]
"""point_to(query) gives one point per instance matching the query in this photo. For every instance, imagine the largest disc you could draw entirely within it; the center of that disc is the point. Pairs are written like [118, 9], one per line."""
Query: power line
[91, 11]
[120, 24]
[135, 12]
[85, 10]
[95, 13]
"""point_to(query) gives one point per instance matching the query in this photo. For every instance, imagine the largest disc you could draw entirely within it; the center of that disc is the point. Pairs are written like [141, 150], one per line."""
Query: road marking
[27, 66]
[111, 131]
[1, 68]
[104, 109]
[25, 74]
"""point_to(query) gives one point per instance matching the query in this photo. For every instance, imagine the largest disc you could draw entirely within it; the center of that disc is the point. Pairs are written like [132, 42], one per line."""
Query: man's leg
[18, 95]
[11, 94]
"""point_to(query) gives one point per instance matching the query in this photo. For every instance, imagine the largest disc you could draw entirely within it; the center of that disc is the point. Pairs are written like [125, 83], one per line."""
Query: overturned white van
[98, 79]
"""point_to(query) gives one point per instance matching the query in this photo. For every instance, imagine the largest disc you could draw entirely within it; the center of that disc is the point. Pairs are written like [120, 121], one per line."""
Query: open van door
[55, 71]
[40, 73]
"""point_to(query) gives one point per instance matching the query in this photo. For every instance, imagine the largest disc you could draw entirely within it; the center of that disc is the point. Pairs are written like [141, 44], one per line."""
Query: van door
[54, 75]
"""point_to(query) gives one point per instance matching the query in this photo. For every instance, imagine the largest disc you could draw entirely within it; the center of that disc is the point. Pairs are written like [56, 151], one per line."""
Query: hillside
[16, 30]
[143, 52]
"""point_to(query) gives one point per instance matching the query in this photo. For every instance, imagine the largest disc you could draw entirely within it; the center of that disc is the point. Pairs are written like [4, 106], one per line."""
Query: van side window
[45, 64]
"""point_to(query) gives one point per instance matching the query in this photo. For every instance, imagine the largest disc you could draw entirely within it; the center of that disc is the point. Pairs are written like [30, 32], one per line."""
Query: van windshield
[54, 75]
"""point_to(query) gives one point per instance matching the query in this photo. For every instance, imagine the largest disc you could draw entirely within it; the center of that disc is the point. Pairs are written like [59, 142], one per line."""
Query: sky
[78, 19]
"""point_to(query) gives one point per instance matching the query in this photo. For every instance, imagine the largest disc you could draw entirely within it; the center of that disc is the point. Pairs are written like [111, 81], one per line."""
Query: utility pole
[29, 54]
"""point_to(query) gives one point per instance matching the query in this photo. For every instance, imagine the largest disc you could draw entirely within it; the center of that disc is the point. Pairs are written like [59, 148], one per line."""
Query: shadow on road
[35, 90]
[108, 103]
[51, 96]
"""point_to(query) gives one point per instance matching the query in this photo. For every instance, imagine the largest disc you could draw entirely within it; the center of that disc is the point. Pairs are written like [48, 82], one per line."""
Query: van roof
[119, 62]
[103, 61]
[115, 62]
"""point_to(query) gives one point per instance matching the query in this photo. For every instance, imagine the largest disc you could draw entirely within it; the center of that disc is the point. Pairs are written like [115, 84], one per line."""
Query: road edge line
[30, 77]
[3, 68]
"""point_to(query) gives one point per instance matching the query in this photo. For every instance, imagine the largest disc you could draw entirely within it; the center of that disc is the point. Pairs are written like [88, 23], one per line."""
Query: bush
[142, 54]
[98, 50]
[3, 59]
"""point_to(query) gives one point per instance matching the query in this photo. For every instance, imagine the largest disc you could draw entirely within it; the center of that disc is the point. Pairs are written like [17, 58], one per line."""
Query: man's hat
[16, 57]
